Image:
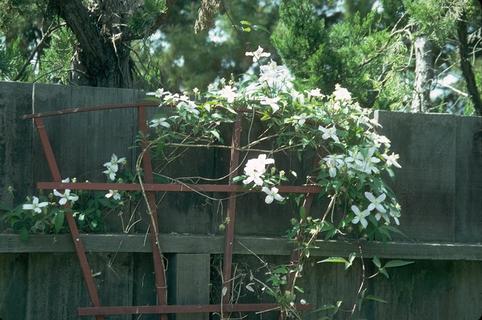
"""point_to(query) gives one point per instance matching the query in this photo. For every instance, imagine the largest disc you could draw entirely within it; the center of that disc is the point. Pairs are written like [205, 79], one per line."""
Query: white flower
[276, 77]
[111, 172]
[272, 102]
[228, 93]
[189, 106]
[297, 96]
[375, 203]
[115, 161]
[35, 206]
[392, 159]
[329, 133]
[315, 93]
[302, 301]
[272, 194]
[161, 122]
[333, 162]
[395, 215]
[360, 216]
[258, 54]
[298, 120]
[355, 159]
[363, 163]
[113, 166]
[379, 140]
[113, 194]
[66, 196]
[255, 168]
[370, 161]
[159, 93]
[170, 98]
[341, 94]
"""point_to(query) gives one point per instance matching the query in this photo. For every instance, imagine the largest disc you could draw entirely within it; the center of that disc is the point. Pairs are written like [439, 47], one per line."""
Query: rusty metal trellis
[150, 188]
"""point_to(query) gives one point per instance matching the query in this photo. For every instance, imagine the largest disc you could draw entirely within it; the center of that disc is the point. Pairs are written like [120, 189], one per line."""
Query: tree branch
[83, 26]
[39, 47]
[466, 67]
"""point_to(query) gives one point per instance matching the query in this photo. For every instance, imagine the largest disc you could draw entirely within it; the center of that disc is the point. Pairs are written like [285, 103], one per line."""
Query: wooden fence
[439, 188]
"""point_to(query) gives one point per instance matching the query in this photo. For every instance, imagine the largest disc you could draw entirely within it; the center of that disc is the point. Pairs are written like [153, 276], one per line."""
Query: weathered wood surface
[177, 243]
[189, 282]
[439, 187]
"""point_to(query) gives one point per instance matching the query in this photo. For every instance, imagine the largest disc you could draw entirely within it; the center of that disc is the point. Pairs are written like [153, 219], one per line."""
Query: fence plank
[13, 286]
[175, 243]
[425, 186]
[15, 141]
[55, 287]
[468, 220]
[189, 282]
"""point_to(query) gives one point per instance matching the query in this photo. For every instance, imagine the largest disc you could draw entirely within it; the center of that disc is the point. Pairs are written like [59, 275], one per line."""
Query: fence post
[190, 277]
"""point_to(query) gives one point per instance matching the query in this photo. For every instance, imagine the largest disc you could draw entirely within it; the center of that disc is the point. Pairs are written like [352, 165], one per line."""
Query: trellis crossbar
[150, 188]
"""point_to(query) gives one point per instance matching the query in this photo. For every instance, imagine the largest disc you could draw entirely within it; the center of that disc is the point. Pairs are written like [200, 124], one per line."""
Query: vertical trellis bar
[231, 212]
[159, 269]
[74, 232]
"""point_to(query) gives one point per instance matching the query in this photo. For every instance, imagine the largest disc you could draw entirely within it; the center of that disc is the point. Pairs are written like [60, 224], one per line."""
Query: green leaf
[375, 298]
[299, 289]
[215, 133]
[376, 261]
[281, 270]
[384, 272]
[334, 260]
[58, 221]
[238, 178]
[397, 263]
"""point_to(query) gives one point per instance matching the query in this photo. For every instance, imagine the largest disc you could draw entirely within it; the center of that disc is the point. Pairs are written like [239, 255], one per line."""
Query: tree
[147, 46]
[326, 45]
[404, 55]
[103, 32]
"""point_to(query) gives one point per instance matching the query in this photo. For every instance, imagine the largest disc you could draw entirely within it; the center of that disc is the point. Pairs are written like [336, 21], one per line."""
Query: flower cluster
[113, 166]
[254, 171]
[353, 156]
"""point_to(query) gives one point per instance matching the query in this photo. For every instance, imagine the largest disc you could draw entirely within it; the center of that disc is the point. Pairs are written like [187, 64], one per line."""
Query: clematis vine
[329, 133]
[271, 195]
[113, 166]
[228, 93]
[272, 102]
[334, 162]
[341, 94]
[66, 197]
[391, 160]
[114, 194]
[258, 54]
[256, 168]
[160, 122]
[36, 206]
[360, 216]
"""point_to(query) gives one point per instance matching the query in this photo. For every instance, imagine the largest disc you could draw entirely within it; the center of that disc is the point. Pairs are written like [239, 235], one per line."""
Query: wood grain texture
[176, 243]
[425, 186]
[15, 142]
[13, 286]
[189, 282]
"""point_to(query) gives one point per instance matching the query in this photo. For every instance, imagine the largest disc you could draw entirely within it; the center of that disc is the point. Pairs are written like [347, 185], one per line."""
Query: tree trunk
[102, 57]
[423, 74]
[466, 67]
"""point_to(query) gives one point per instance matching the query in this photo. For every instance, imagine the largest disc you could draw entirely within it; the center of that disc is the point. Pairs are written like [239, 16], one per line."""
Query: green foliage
[177, 59]
[436, 18]
[350, 158]
[354, 52]
[146, 15]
